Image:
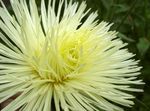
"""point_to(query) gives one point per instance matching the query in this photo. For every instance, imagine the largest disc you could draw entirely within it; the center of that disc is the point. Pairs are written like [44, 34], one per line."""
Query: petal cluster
[63, 55]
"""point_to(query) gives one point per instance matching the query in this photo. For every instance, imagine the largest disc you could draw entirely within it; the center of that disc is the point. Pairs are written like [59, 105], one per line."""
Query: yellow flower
[57, 57]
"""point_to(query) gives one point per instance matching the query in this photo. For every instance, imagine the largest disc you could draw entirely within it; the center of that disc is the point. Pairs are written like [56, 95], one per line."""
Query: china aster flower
[63, 55]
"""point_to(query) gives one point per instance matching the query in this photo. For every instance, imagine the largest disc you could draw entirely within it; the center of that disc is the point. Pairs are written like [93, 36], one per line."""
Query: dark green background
[132, 19]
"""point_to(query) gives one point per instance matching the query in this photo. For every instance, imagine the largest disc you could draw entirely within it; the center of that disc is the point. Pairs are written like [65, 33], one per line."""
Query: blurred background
[131, 19]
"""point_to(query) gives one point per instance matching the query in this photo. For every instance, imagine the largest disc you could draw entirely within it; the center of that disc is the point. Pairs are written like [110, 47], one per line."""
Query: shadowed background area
[132, 20]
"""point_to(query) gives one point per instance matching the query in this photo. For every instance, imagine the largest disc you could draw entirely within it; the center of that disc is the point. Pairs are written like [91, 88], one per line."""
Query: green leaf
[124, 37]
[120, 8]
[143, 46]
[107, 3]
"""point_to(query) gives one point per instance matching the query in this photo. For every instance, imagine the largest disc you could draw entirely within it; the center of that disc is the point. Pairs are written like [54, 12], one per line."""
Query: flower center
[58, 61]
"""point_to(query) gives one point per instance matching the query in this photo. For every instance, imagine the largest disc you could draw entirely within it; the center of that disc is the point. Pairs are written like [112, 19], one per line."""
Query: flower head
[53, 55]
